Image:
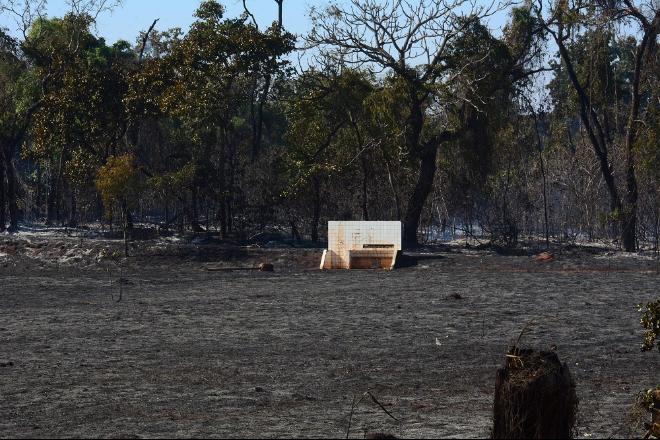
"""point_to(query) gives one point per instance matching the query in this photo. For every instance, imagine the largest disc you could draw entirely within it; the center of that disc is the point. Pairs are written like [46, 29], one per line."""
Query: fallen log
[263, 267]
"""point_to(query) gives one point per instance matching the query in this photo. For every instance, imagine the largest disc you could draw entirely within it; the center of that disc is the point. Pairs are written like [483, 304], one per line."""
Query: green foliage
[18, 86]
[203, 79]
[647, 398]
[651, 323]
[325, 117]
[185, 115]
[603, 64]
[523, 35]
[119, 182]
[488, 79]
[81, 167]
[168, 184]
[648, 144]
[215, 56]
[81, 113]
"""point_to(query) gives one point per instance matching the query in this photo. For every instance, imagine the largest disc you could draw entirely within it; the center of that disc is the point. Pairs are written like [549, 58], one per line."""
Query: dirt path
[192, 353]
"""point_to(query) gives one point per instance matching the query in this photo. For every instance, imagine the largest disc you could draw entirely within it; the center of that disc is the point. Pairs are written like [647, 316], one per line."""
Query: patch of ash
[647, 255]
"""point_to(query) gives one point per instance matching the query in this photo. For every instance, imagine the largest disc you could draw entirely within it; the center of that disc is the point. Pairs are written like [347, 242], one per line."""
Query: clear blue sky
[136, 15]
[126, 21]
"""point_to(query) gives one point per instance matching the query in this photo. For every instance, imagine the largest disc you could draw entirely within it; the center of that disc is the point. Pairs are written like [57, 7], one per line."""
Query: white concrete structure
[362, 245]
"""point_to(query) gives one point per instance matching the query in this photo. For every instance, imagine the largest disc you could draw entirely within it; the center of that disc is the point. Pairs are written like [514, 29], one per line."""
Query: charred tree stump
[534, 397]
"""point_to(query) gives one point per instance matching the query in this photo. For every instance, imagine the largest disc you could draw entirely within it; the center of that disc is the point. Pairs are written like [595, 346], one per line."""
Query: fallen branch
[264, 267]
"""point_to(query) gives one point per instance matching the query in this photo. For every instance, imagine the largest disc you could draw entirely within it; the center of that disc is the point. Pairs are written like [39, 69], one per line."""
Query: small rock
[259, 389]
[5, 364]
[266, 267]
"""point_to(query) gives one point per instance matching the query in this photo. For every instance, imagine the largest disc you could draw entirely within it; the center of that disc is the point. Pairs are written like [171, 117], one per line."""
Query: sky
[137, 15]
[134, 16]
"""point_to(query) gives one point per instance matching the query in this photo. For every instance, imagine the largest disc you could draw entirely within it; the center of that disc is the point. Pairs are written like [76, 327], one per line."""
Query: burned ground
[192, 352]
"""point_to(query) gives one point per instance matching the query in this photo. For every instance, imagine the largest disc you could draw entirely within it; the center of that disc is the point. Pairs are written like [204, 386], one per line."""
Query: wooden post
[534, 397]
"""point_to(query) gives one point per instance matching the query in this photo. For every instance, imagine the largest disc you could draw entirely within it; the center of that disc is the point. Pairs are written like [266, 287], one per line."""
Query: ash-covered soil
[190, 352]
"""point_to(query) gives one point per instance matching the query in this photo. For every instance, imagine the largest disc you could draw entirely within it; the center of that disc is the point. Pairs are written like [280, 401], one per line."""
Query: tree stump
[534, 397]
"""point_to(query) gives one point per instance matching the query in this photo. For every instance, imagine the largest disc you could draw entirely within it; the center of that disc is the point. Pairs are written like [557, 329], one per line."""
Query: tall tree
[327, 114]
[413, 41]
[19, 100]
[202, 84]
[81, 115]
[564, 20]
[263, 83]
[36, 65]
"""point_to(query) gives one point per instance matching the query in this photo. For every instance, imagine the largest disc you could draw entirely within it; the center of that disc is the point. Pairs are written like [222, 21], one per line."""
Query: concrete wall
[365, 237]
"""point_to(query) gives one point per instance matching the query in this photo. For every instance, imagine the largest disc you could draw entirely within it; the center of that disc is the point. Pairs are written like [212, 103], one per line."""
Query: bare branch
[23, 12]
[395, 34]
[249, 14]
[146, 37]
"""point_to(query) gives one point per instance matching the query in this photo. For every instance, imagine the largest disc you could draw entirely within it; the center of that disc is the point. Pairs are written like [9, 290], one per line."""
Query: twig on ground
[354, 405]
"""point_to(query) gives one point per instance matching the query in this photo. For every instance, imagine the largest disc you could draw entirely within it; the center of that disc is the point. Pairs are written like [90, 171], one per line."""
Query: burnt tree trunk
[53, 214]
[73, 214]
[181, 227]
[222, 217]
[393, 186]
[127, 223]
[424, 185]
[626, 206]
[50, 199]
[427, 166]
[129, 220]
[12, 190]
[365, 191]
[534, 397]
[316, 209]
[194, 209]
[280, 19]
[3, 212]
[258, 128]
[295, 234]
[592, 126]
[221, 135]
[363, 168]
[36, 209]
[629, 217]
[421, 192]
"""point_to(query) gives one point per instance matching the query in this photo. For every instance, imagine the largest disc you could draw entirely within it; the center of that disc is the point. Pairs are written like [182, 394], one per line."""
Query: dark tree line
[415, 111]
